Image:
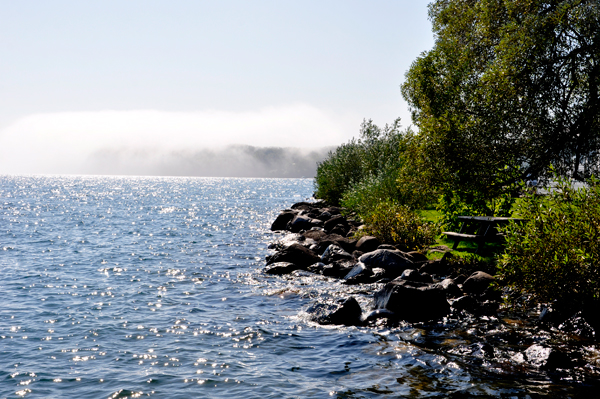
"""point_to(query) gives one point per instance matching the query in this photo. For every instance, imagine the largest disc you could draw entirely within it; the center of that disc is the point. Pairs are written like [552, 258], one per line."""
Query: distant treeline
[230, 161]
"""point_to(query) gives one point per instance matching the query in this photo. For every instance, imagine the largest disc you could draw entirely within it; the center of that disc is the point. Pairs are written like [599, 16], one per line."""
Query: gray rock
[333, 253]
[393, 262]
[477, 283]
[300, 222]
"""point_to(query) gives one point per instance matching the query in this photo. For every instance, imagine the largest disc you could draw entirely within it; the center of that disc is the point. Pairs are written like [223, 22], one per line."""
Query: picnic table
[480, 229]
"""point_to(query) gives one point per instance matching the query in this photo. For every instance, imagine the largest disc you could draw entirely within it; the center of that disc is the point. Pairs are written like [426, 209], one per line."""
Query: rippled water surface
[134, 287]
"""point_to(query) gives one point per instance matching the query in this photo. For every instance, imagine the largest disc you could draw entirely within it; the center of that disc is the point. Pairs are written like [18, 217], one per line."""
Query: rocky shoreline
[407, 287]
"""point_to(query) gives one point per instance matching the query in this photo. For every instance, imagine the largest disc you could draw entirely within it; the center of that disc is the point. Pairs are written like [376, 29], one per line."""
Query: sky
[167, 79]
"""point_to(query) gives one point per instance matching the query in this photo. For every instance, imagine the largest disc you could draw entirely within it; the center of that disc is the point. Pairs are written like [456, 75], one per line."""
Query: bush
[554, 254]
[397, 224]
[375, 151]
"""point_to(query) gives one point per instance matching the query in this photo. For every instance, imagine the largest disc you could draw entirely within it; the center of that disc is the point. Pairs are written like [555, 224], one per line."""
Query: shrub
[376, 150]
[554, 254]
[397, 224]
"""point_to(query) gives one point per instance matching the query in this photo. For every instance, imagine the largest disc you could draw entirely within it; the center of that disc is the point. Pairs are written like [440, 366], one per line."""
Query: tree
[509, 89]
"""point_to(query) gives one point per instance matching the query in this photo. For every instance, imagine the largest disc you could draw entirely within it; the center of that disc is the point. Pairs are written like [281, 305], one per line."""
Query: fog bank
[284, 141]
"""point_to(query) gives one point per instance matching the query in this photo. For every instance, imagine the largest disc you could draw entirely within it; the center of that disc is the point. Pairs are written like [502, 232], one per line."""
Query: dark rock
[316, 235]
[460, 279]
[367, 244]
[334, 221]
[436, 267]
[410, 303]
[280, 268]
[340, 229]
[295, 253]
[333, 253]
[547, 358]
[300, 222]
[377, 314]
[345, 243]
[334, 210]
[413, 275]
[347, 313]
[467, 303]
[578, 325]
[387, 246]
[304, 206]
[417, 256]
[316, 268]
[477, 283]
[393, 262]
[324, 216]
[359, 274]
[478, 308]
[338, 269]
[450, 288]
[282, 220]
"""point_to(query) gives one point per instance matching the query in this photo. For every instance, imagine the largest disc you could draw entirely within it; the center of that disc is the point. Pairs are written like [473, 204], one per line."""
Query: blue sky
[78, 76]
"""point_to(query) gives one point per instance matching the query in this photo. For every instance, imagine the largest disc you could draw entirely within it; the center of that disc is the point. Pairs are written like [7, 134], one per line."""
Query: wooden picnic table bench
[480, 229]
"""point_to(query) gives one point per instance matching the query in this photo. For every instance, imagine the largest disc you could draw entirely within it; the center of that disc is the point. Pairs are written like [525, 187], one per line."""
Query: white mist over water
[151, 142]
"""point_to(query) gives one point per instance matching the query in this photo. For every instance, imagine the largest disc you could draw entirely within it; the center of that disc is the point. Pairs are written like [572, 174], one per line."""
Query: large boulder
[477, 283]
[394, 262]
[412, 301]
[367, 244]
[333, 253]
[280, 268]
[334, 221]
[295, 253]
[282, 220]
[301, 222]
[325, 241]
[346, 313]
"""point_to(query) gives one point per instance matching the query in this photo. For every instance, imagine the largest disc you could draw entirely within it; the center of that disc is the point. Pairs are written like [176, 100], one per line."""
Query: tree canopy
[509, 89]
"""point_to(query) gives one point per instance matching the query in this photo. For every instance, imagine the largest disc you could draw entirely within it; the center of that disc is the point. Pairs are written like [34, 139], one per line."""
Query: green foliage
[376, 151]
[398, 224]
[554, 254]
[509, 88]
[455, 203]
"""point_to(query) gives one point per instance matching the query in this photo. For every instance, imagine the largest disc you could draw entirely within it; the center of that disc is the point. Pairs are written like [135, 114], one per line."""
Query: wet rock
[377, 314]
[333, 253]
[281, 268]
[393, 262]
[477, 283]
[359, 274]
[295, 253]
[327, 240]
[413, 275]
[547, 358]
[282, 220]
[346, 313]
[450, 288]
[412, 303]
[300, 222]
[367, 244]
[316, 268]
[578, 325]
[474, 306]
[338, 269]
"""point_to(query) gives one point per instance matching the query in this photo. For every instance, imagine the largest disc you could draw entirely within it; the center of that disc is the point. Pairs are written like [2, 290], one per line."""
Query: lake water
[114, 287]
